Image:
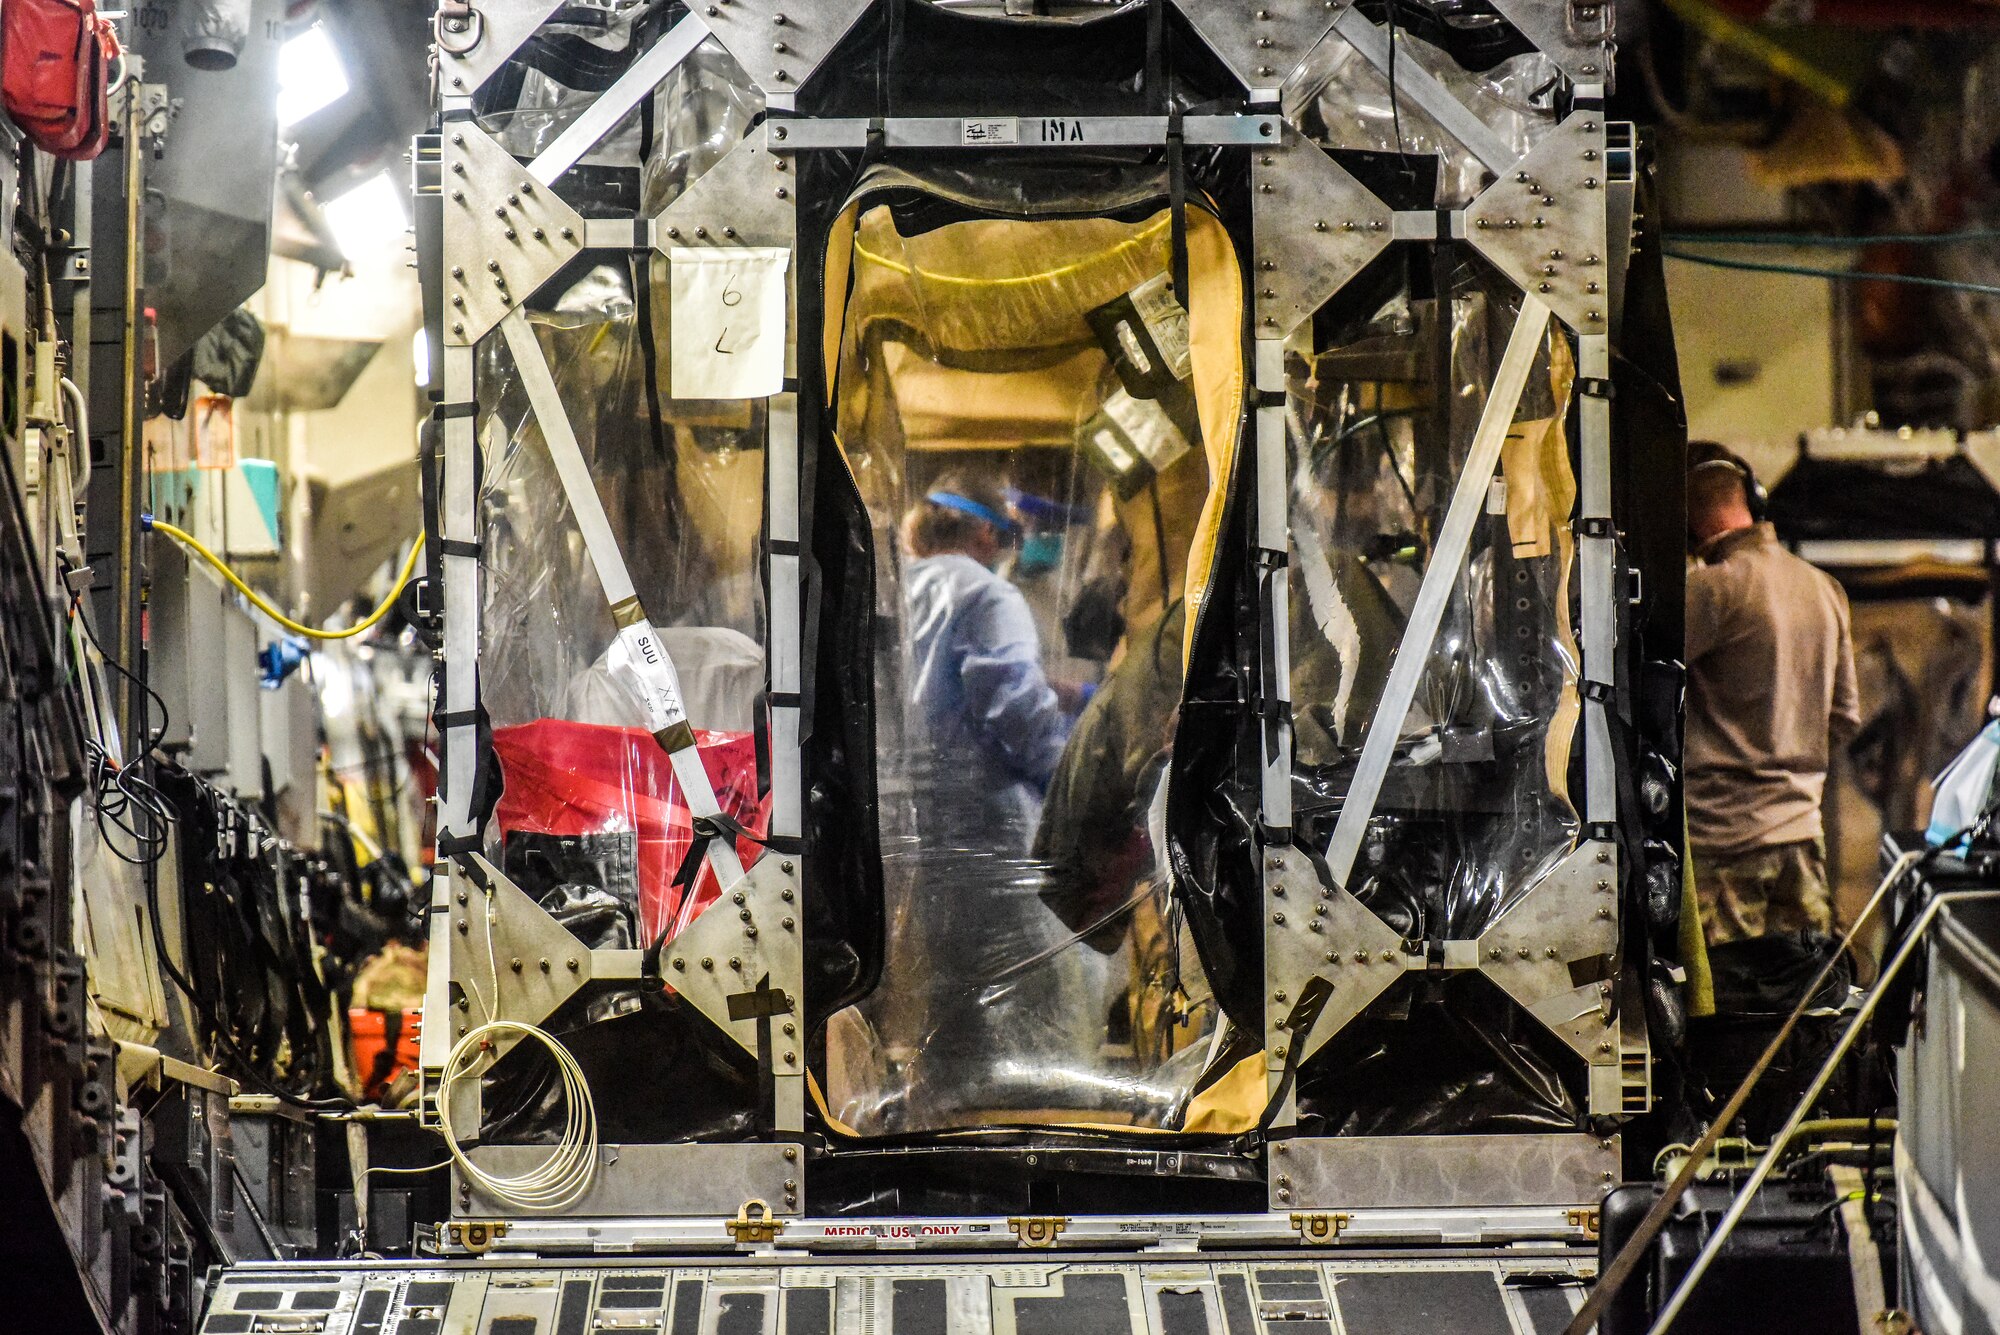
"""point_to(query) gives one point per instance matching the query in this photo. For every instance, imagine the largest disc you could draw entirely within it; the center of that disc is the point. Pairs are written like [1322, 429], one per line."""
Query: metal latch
[1588, 21]
[1320, 1226]
[1040, 1230]
[754, 1223]
[475, 1235]
[1586, 1220]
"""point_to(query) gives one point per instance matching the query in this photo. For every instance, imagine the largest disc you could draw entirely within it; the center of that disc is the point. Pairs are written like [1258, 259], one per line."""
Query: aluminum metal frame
[1315, 229]
[504, 217]
[1543, 222]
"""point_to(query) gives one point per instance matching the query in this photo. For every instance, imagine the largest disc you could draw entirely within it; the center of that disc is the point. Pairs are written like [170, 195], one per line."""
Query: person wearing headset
[1771, 691]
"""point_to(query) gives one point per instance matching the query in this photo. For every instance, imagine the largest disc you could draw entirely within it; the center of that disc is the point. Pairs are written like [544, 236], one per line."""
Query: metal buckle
[754, 1223]
[1038, 1230]
[1320, 1226]
[477, 1236]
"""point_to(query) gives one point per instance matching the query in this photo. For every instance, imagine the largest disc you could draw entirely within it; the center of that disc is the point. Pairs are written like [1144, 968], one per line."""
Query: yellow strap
[195, 545]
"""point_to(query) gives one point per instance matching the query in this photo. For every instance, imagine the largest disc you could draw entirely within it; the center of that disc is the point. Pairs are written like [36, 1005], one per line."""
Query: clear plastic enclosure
[1026, 408]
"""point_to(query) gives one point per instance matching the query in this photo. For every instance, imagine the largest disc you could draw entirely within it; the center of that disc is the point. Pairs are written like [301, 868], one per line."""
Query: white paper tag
[728, 322]
[1166, 321]
[1148, 427]
[638, 659]
[1001, 130]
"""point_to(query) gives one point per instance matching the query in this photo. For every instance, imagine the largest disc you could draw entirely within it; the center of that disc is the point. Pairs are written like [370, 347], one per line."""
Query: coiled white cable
[572, 1164]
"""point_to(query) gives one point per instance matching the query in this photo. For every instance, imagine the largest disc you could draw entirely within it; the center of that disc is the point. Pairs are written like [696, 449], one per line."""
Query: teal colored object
[1040, 552]
[177, 489]
[262, 475]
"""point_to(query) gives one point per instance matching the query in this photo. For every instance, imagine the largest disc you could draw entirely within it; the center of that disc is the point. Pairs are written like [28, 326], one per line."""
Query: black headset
[1756, 499]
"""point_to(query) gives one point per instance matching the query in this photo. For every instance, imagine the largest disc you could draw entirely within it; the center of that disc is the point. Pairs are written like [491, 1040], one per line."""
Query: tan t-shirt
[1770, 690]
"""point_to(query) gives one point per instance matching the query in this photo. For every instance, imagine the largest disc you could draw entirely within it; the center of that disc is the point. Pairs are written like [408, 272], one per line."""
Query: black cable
[1395, 97]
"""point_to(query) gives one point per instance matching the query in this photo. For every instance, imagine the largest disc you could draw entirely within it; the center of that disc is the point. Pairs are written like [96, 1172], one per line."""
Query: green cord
[1836, 275]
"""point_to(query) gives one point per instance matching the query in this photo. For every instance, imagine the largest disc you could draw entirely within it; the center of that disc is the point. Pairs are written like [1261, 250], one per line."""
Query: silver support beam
[786, 576]
[1440, 576]
[616, 102]
[1274, 546]
[587, 509]
[1596, 559]
[1037, 133]
[457, 519]
[1458, 120]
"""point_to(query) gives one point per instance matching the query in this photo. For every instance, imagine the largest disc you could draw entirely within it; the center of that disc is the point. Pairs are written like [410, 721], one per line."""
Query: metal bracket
[1542, 222]
[1554, 952]
[1574, 34]
[493, 208]
[1310, 932]
[537, 963]
[779, 43]
[754, 1224]
[1265, 50]
[1038, 1230]
[1320, 1226]
[1550, 1170]
[476, 1236]
[472, 45]
[750, 936]
[1316, 227]
[743, 200]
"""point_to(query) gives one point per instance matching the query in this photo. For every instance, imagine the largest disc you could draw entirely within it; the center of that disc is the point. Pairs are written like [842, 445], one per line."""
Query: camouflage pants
[1763, 892]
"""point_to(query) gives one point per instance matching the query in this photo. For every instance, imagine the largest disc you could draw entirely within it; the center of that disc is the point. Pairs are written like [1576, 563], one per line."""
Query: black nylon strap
[444, 412]
[456, 847]
[1177, 202]
[1600, 691]
[783, 699]
[458, 547]
[1596, 387]
[1299, 1024]
[782, 547]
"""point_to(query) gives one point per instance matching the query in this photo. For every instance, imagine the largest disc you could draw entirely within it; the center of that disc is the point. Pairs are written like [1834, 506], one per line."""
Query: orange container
[376, 1062]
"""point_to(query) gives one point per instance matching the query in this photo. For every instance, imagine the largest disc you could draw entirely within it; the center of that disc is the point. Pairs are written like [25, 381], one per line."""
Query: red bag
[586, 778]
[55, 70]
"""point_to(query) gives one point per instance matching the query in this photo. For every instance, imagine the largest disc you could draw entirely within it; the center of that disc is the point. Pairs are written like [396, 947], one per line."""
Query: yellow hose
[195, 545]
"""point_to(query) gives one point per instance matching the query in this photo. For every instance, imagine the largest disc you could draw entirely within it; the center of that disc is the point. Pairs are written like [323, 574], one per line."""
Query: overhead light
[368, 217]
[310, 75]
[420, 356]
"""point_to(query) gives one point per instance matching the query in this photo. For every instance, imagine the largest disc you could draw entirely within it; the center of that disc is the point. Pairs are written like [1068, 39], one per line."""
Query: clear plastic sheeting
[1475, 808]
[590, 819]
[696, 114]
[1342, 101]
[1017, 403]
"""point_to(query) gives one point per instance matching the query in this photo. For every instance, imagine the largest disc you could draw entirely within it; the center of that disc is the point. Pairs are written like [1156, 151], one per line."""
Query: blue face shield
[1040, 553]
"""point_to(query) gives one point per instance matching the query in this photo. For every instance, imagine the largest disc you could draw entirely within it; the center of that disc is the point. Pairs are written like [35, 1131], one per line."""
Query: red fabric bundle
[568, 778]
[55, 73]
